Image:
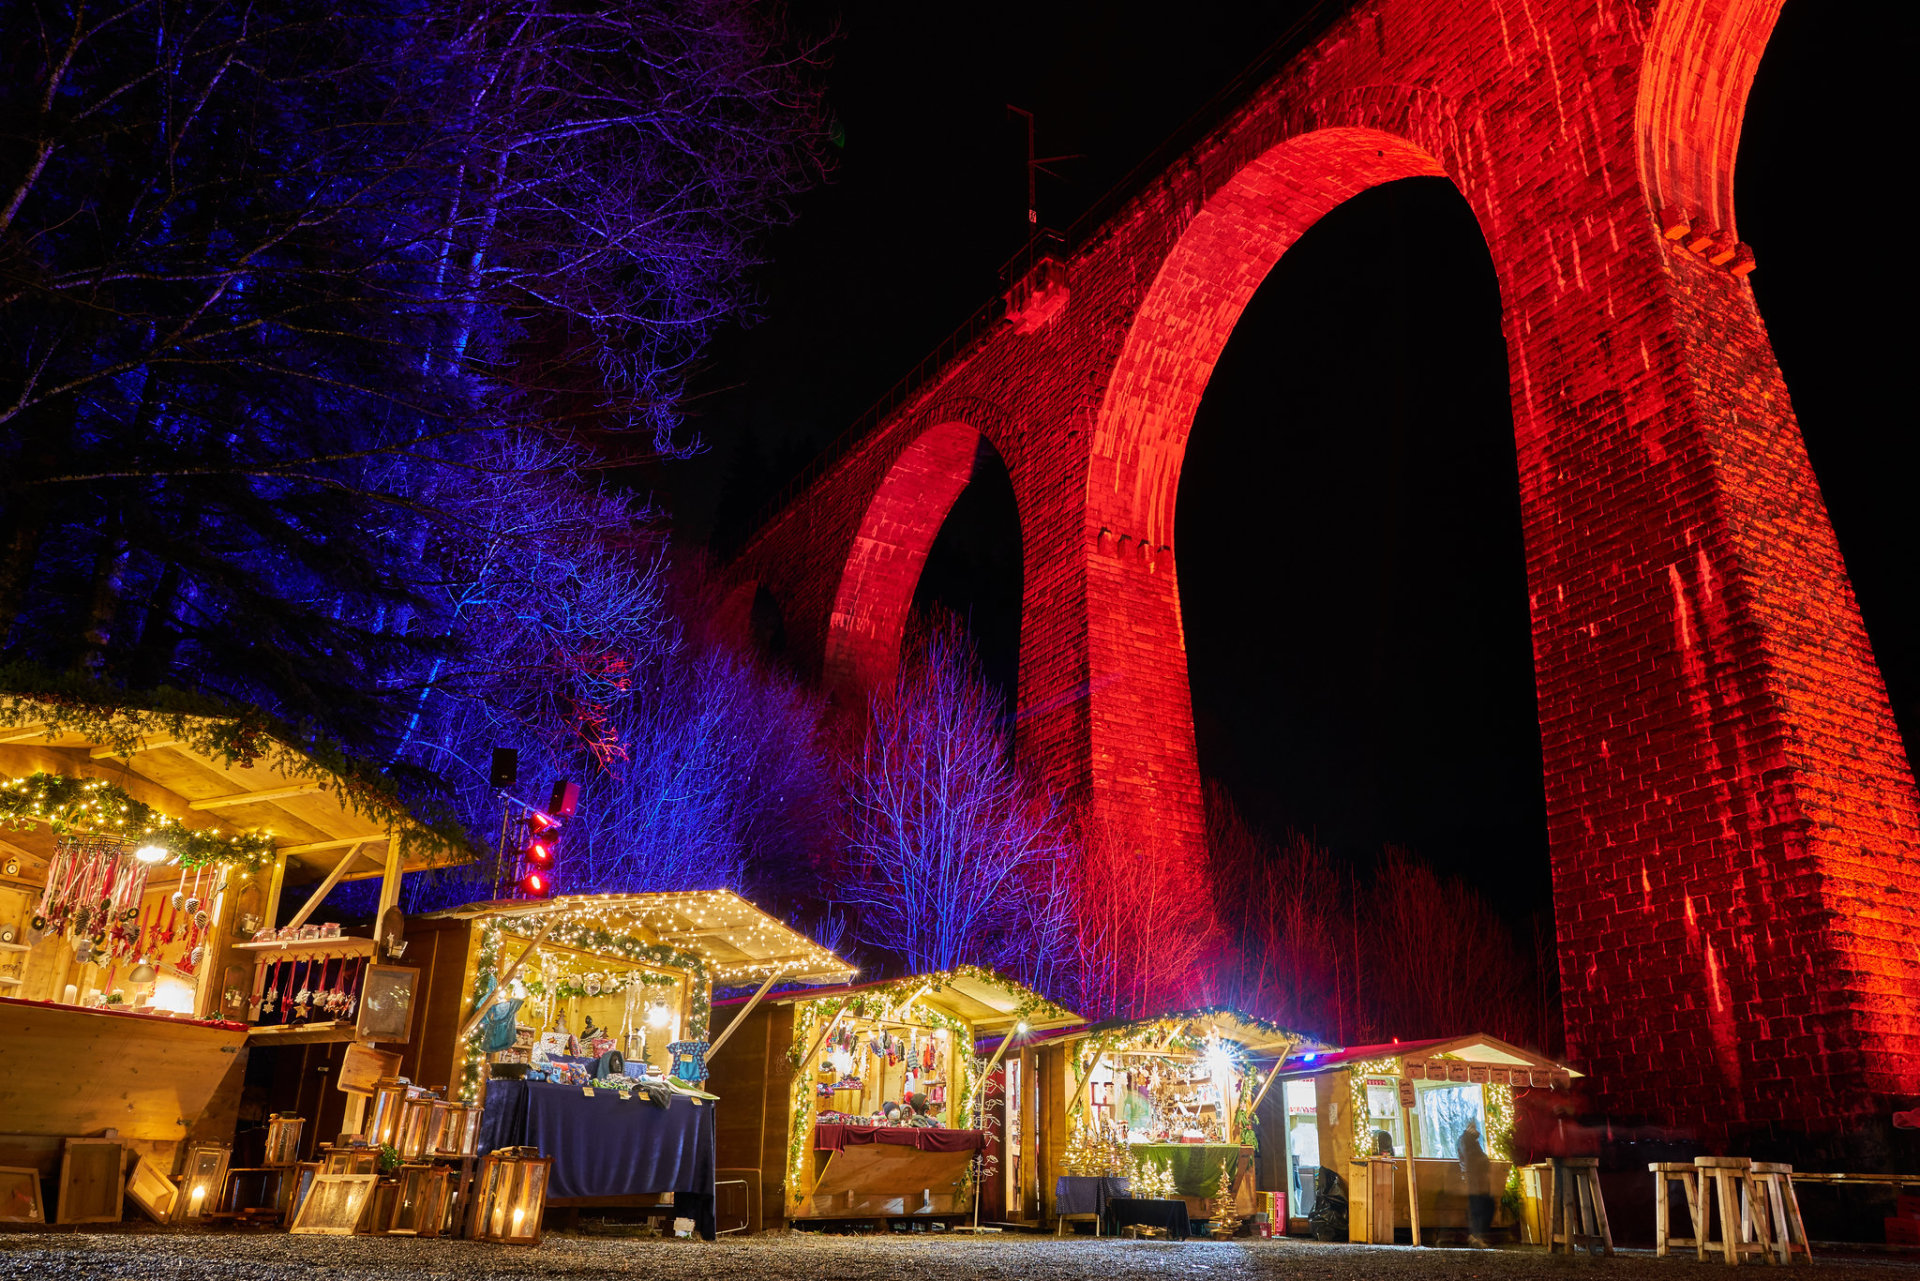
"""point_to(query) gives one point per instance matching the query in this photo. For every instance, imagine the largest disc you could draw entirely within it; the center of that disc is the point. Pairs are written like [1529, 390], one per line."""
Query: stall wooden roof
[737, 939]
[310, 821]
[994, 1005]
[1474, 1048]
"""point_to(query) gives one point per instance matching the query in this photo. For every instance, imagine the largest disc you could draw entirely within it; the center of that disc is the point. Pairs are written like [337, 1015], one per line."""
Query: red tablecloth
[832, 1138]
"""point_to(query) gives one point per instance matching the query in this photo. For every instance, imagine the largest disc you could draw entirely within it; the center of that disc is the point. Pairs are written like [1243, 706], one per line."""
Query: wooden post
[1413, 1176]
[389, 879]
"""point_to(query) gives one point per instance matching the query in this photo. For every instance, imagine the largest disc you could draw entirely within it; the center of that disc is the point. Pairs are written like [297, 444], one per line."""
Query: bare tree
[1137, 949]
[950, 855]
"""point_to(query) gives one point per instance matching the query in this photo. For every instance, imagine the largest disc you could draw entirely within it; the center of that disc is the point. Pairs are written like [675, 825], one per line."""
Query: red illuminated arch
[1202, 286]
[1695, 73]
[883, 566]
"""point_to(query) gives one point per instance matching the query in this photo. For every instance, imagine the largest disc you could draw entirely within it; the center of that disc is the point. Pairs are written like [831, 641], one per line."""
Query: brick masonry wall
[1732, 822]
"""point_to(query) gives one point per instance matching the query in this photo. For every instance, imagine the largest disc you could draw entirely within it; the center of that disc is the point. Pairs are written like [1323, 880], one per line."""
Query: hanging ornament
[592, 985]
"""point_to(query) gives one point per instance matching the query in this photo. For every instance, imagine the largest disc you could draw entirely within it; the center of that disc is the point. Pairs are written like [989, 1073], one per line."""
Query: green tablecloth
[1196, 1166]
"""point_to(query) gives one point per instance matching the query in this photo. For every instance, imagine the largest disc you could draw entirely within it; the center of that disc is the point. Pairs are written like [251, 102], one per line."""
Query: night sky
[1350, 550]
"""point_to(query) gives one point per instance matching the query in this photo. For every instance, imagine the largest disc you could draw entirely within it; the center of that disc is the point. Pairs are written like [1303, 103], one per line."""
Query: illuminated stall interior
[1346, 1105]
[592, 973]
[140, 854]
[856, 1056]
[1167, 1103]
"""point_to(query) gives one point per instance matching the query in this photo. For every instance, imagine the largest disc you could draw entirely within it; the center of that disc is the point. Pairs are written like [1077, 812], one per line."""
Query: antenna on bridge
[1037, 165]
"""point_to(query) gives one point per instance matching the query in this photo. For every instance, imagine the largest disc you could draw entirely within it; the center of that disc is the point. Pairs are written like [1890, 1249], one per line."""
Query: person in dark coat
[1479, 1172]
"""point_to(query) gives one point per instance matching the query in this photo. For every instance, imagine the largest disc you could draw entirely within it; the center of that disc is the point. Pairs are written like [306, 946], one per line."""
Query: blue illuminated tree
[951, 855]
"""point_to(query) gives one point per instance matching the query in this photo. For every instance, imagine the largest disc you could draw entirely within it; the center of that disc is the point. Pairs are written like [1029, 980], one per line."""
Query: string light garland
[94, 805]
[426, 828]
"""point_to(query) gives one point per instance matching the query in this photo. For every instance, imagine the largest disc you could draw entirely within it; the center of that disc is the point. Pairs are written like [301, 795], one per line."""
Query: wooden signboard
[20, 1196]
[362, 1065]
[92, 1181]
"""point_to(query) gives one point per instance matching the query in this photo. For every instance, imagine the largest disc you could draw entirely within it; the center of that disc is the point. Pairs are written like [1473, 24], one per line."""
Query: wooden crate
[93, 1181]
[150, 1189]
[20, 1195]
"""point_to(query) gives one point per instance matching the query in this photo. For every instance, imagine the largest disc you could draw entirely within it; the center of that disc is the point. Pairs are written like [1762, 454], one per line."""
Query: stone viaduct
[1733, 825]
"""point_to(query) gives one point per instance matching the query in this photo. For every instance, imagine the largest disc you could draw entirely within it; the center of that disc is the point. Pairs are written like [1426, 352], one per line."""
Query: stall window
[1383, 1115]
[1445, 1109]
[1303, 1145]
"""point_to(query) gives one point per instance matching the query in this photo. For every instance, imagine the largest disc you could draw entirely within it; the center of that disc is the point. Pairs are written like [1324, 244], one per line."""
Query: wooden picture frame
[386, 1003]
[149, 1188]
[333, 1205]
[93, 1181]
[20, 1195]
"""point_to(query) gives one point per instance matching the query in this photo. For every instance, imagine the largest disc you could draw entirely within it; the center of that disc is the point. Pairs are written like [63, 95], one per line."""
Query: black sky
[1349, 526]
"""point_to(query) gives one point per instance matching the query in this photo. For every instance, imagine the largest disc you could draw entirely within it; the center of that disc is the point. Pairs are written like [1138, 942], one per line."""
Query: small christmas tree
[1224, 1213]
[1149, 1179]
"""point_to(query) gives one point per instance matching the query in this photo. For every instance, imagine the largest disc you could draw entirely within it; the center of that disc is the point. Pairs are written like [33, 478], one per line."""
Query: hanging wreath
[93, 805]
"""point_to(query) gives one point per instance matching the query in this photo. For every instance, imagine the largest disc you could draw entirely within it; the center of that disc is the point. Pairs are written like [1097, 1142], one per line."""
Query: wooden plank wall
[446, 953]
[1054, 1084]
[752, 1077]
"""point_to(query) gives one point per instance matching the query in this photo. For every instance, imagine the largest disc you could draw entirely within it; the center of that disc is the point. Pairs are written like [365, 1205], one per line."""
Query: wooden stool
[1061, 1222]
[1731, 1186]
[1576, 1195]
[1666, 1173]
[1773, 1188]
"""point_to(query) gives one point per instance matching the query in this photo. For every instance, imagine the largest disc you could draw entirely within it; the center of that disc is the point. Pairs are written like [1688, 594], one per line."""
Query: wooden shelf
[301, 1034]
[301, 947]
[14, 947]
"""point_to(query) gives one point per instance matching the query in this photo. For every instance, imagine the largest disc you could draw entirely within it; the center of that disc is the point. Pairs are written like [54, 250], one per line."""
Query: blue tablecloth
[1085, 1193]
[607, 1146]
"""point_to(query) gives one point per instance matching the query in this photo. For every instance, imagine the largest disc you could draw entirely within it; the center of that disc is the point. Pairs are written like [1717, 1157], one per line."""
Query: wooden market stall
[1345, 1109]
[1165, 1103]
[142, 866]
[817, 1087]
[568, 981]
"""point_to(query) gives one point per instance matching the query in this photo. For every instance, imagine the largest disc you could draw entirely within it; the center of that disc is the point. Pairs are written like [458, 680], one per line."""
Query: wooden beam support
[333, 879]
[145, 745]
[752, 1001]
[248, 798]
[22, 733]
[337, 843]
[500, 987]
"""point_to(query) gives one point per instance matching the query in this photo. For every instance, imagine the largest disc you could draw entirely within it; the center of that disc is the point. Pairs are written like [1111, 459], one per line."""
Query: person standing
[1479, 1173]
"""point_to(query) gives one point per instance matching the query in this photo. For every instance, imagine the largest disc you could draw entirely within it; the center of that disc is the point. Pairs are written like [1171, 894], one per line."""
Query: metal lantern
[206, 1174]
[389, 1107]
[350, 1160]
[420, 1204]
[416, 1126]
[283, 1139]
[513, 1195]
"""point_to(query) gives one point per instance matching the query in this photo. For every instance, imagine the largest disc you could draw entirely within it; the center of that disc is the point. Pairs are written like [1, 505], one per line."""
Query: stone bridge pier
[1733, 824]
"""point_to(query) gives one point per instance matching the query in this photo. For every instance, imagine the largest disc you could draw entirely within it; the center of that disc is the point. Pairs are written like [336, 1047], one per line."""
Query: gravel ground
[229, 1257]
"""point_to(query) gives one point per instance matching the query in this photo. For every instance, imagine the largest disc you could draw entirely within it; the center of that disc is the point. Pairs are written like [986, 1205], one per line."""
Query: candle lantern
[445, 1129]
[206, 1174]
[283, 1139]
[420, 1204]
[350, 1160]
[513, 1195]
[389, 1105]
[470, 1130]
[416, 1125]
